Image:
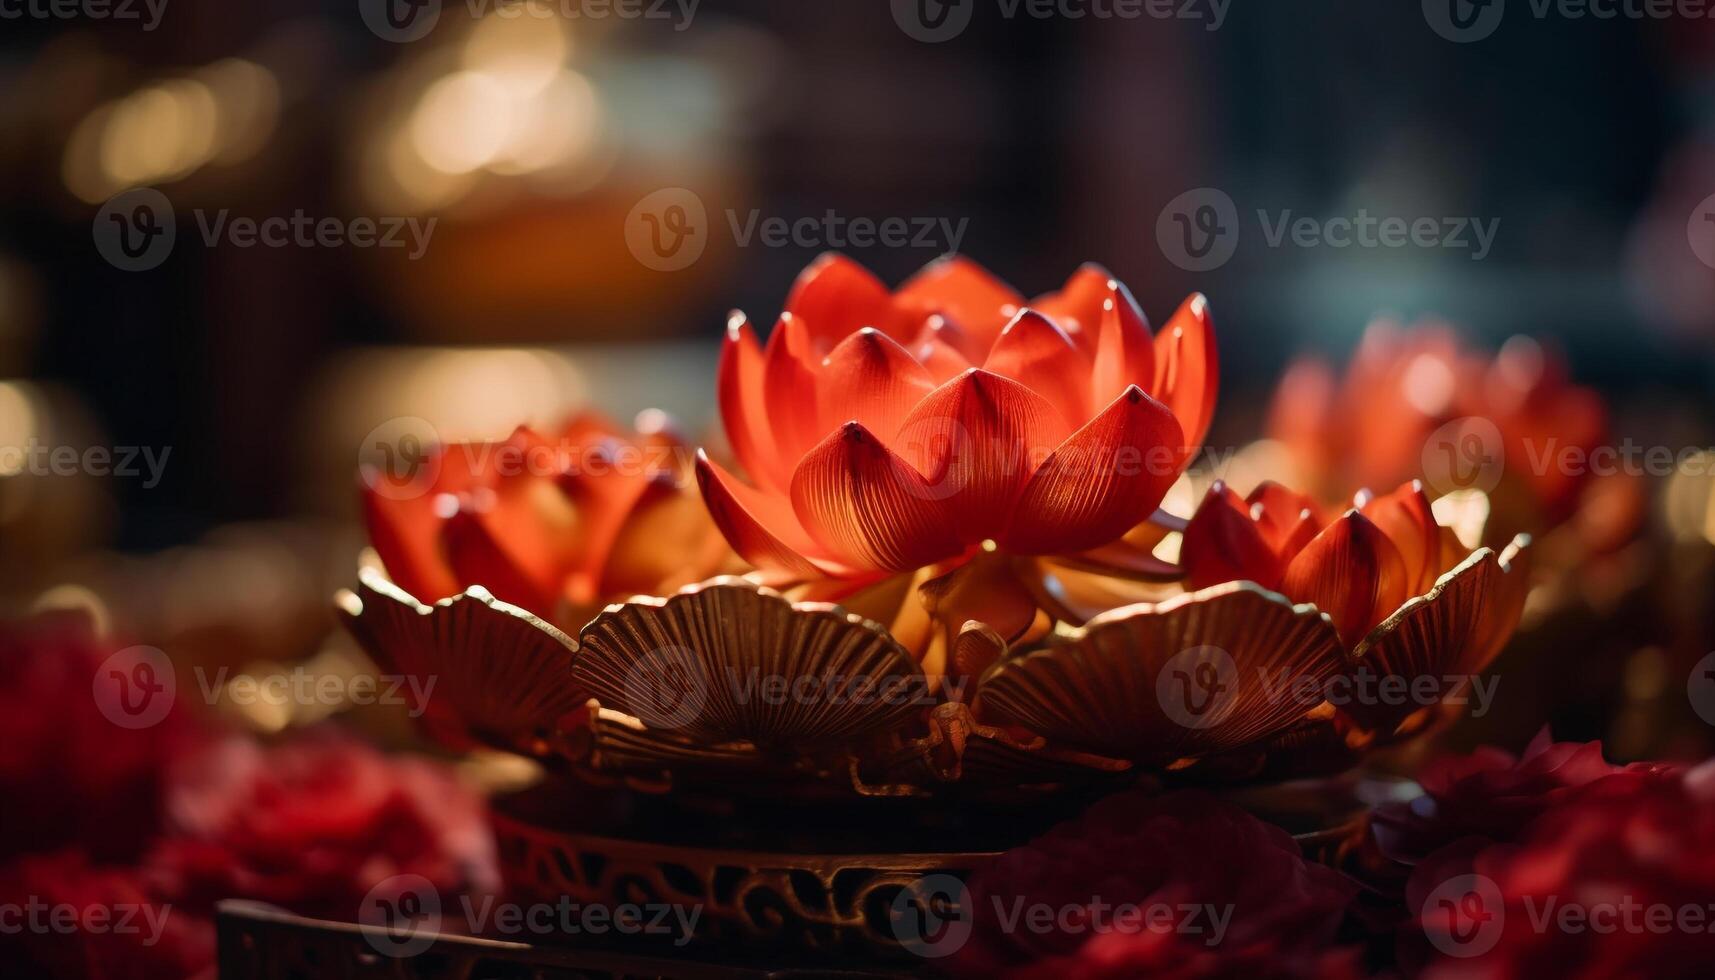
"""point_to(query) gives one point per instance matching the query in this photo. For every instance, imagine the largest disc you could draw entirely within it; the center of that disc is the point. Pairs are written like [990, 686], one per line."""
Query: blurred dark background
[530, 138]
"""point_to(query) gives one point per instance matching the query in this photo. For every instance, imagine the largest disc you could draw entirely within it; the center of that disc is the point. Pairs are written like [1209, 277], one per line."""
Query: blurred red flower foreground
[120, 840]
[1182, 885]
[1556, 864]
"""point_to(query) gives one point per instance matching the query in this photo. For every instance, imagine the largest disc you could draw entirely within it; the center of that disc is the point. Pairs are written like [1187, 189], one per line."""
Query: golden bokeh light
[168, 130]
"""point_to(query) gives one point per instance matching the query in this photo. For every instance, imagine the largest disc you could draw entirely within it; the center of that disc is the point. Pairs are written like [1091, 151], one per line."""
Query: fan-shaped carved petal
[731, 661]
[1197, 674]
[1453, 630]
[493, 673]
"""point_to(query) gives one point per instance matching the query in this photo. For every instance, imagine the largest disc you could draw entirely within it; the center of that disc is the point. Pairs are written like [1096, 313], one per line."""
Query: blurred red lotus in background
[559, 524]
[1419, 402]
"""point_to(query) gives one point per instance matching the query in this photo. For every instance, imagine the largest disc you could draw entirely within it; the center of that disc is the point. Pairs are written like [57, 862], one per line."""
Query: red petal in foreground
[744, 412]
[1223, 544]
[1187, 369]
[976, 440]
[1033, 351]
[760, 527]
[1077, 306]
[1406, 518]
[835, 296]
[1286, 519]
[789, 379]
[872, 380]
[868, 507]
[967, 293]
[1103, 481]
[942, 348]
[1352, 572]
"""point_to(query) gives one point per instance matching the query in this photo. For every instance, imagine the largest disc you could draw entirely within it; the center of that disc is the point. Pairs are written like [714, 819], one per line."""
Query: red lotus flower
[1358, 568]
[557, 525]
[886, 431]
[1219, 893]
[1613, 879]
[313, 825]
[1419, 401]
